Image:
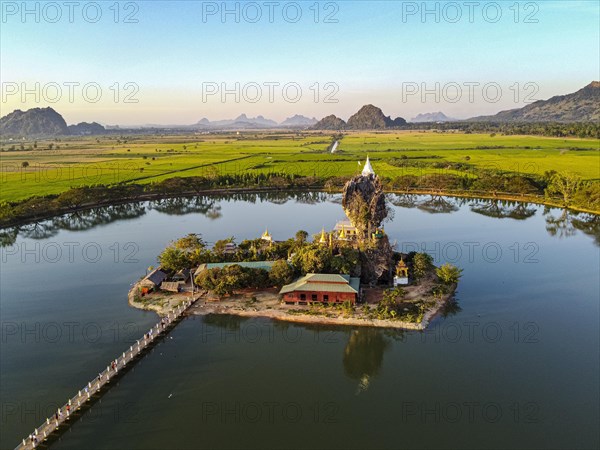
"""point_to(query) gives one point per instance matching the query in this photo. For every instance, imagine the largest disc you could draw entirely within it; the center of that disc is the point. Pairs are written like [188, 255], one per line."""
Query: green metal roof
[323, 282]
[266, 265]
[355, 283]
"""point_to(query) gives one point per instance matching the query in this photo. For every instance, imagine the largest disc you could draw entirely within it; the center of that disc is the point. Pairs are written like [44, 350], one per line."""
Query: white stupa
[368, 170]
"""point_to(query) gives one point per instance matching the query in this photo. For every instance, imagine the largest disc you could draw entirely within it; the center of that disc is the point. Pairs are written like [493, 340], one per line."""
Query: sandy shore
[160, 302]
[277, 314]
[269, 306]
[266, 303]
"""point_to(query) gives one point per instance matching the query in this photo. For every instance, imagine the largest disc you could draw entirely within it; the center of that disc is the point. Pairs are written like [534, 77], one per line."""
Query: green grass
[86, 161]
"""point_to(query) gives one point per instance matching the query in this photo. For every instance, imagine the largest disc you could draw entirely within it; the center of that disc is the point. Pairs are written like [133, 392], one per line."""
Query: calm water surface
[513, 363]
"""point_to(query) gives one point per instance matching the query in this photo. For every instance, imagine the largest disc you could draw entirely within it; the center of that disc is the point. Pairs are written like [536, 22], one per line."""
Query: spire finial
[323, 239]
[368, 169]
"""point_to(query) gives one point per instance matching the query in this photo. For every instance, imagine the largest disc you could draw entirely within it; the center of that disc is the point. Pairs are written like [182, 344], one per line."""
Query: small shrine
[378, 234]
[401, 277]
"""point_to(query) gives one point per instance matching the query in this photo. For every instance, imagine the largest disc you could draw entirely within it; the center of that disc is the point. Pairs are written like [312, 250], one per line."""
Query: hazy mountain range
[243, 122]
[432, 117]
[580, 106]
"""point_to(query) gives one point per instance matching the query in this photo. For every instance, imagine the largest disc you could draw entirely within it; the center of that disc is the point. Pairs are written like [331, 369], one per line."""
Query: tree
[24, 164]
[190, 242]
[208, 279]
[173, 259]
[314, 259]
[184, 253]
[565, 184]
[346, 261]
[301, 237]
[448, 273]
[230, 278]
[281, 273]
[74, 198]
[422, 263]
[258, 278]
[233, 277]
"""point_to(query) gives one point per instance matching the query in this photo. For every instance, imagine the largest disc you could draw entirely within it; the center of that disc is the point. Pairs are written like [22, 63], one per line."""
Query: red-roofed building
[321, 288]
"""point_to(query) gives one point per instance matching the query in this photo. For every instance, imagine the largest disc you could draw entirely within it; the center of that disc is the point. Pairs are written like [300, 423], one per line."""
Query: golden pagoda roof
[323, 239]
[342, 234]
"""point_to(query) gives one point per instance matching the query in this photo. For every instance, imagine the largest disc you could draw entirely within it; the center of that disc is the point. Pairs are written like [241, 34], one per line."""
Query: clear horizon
[169, 63]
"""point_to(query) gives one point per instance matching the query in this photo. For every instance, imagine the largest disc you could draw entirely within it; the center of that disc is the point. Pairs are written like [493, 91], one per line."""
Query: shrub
[448, 273]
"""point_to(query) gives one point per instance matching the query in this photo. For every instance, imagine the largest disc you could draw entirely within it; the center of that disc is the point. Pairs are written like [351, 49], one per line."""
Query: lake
[513, 362]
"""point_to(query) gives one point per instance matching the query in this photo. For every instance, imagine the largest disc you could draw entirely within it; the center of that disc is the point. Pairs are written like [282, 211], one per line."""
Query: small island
[350, 275]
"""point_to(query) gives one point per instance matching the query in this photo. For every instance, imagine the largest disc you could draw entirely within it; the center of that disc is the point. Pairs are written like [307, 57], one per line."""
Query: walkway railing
[61, 419]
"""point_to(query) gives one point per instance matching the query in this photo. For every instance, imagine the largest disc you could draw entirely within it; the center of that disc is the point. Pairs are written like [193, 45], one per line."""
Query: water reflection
[503, 209]
[404, 201]
[40, 230]
[87, 219]
[559, 223]
[450, 308]
[437, 204]
[8, 236]
[227, 322]
[181, 206]
[363, 355]
[566, 224]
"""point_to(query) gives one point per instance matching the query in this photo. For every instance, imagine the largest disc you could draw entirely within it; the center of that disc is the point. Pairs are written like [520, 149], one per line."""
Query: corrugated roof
[172, 286]
[318, 287]
[326, 278]
[156, 277]
[183, 274]
[323, 282]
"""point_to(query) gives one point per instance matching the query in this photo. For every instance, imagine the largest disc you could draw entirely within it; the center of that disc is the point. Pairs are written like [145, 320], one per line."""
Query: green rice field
[53, 166]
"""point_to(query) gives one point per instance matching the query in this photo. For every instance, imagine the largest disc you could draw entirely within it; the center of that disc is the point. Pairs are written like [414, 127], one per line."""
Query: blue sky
[372, 52]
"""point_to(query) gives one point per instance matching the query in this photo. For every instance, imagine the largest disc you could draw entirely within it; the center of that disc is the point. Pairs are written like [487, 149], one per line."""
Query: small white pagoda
[368, 169]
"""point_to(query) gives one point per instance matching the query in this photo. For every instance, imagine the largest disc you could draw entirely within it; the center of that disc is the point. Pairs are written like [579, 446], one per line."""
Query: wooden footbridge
[68, 413]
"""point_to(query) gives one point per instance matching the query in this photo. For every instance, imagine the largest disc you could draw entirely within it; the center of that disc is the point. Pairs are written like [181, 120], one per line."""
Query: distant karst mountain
[432, 117]
[330, 122]
[242, 122]
[298, 121]
[86, 129]
[368, 117]
[580, 106]
[33, 122]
